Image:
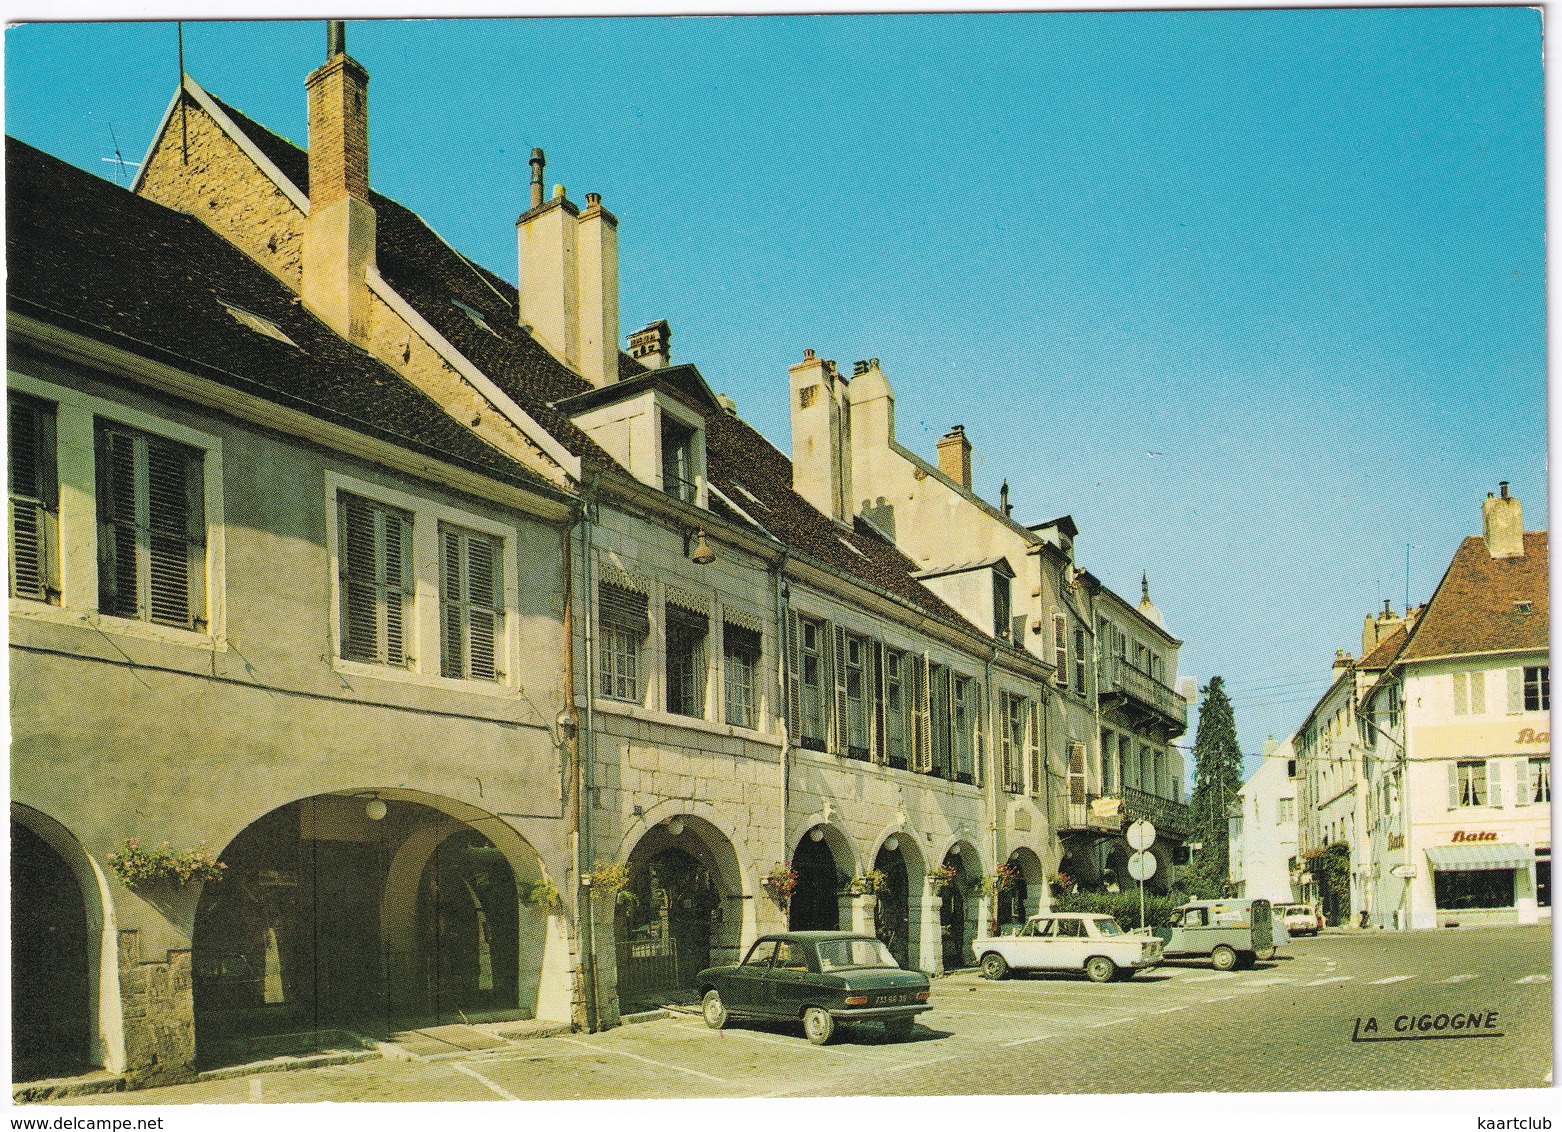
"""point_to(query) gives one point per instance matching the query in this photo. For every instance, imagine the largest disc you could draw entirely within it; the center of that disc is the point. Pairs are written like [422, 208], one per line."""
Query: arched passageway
[51, 986]
[672, 920]
[892, 916]
[358, 912]
[823, 862]
[958, 910]
[1022, 898]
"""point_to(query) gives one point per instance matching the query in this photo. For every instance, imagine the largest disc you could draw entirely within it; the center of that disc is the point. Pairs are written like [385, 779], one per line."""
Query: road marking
[1330, 979]
[1169, 1010]
[1216, 975]
[637, 1057]
[1267, 982]
[1390, 979]
[255, 1088]
[793, 1045]
[1456, 979]
[929, 1061]
[470, 1072]
[1533, 979]
[1113, 1021]
[1220, 998]
[1025, 1041]
[1031, 1017]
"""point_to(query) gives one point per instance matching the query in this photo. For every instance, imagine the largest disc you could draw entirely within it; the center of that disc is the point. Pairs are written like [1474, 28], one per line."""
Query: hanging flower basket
[869, 883]
[942, 877]
[1062, 882]
[140, 867]
[1006, 877]
[607, 881]
[545, 895]
[780, 882]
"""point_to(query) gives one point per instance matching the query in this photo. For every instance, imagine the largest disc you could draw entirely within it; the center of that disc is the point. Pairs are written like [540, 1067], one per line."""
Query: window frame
[622, 650]
[1537, 687]
[686, 661]
[740, 668]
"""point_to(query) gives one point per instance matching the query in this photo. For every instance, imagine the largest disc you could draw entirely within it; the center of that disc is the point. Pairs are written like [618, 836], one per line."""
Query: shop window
[686, 664]
[1543, 878]
[1482, 888]
[625, 625]
[740, 664]
[34, 495]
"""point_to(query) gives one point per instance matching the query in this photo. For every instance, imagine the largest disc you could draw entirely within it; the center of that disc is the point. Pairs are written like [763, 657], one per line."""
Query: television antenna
[118, 160]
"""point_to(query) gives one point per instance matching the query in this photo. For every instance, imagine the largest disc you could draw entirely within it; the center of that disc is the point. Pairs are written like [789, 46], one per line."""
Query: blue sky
[1257, 296]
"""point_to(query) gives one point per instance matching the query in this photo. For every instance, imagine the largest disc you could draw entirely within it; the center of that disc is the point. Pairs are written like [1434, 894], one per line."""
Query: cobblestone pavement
[1284, 1026]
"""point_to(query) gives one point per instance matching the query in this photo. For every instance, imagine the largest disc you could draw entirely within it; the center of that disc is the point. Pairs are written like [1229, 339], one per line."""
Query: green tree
[1217, 776]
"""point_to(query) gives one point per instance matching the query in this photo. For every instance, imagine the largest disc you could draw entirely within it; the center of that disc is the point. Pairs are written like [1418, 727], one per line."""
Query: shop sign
[1396, 841]
[1404, 872]
[1461, 835]
[1530, 735]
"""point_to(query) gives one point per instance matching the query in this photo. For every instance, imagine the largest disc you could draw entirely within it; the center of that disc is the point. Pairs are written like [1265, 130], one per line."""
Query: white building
[1263, 832]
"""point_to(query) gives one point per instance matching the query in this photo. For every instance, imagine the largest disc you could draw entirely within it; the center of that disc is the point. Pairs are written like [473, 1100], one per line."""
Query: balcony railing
[1166, 815]
[1122, 680]
[1096, 813]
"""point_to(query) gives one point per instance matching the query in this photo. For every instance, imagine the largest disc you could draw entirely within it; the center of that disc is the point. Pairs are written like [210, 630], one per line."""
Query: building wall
[1262, 852]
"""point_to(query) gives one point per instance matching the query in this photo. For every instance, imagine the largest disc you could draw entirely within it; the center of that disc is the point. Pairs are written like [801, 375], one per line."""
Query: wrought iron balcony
[1125, 687]
[1166, 815]
[1096, 814]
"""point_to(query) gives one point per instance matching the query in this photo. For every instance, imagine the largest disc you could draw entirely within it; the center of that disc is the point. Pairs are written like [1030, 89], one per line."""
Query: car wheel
[994, 966]
[898, 1029]
[713, 1010]
[1100, 969]
[818, 1025]
[1223, 958]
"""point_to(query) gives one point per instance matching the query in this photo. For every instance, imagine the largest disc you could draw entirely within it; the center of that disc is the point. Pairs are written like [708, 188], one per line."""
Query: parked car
[1232, 933]
[1300, 919]
[824, 979]
[1068, 941]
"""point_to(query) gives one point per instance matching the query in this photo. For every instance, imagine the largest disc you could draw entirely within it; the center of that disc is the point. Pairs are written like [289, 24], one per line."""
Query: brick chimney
[1377, 629]
[569, 278]
[1502, 520]
[954, 456]
[821, 436]
[652, 345]
[339, 232]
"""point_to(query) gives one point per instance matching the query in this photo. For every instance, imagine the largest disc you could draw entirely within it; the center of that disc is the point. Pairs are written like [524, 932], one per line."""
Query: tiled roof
[429, 274]
[1477, 609]
[1386, 650]
[90, 257]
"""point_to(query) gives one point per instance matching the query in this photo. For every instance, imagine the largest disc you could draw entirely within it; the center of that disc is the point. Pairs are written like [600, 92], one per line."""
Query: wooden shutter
[1461, 693]
[1515, 691]
[1453, 786]
[376, 580]
[793, 676]
[34, 499]
[1076, 773]
[1494, 783]
[922, 699]
[626, 609]
[1522, 782]
[979, 712]
[1033, 748]
[837, 656]
[471, 604]
[175, 532]
[1477, 693]
[880, 740]
[118, 593]
[1060, 649]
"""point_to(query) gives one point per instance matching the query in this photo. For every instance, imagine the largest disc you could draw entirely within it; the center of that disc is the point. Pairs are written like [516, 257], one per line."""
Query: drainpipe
[992, 788]
[583, 778]
[786, 724]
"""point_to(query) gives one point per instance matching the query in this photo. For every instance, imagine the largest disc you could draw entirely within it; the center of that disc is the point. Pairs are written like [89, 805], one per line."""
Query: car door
[748, 985]
[789, 981]
[1032, 947]
[1071, 946]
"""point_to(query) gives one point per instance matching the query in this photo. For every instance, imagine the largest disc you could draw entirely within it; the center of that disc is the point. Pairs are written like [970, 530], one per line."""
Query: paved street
[1183, 1028]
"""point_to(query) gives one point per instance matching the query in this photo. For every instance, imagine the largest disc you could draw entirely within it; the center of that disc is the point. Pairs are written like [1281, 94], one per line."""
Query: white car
[1069, 941]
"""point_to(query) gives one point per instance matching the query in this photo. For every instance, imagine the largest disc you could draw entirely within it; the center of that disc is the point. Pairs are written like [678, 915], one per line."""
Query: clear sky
[1256, 296]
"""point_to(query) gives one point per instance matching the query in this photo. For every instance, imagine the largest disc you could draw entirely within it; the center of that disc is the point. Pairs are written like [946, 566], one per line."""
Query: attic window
[475, 315]
[1524, 607]
[851, 548]
[258, 324]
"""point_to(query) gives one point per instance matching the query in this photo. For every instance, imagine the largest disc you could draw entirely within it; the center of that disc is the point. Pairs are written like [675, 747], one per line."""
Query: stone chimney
[821, 436]
[339, 232]
[954, 456]
[1502, 520]
[652, 346]
[569, 278]
[1377, 629]
[1342, 662]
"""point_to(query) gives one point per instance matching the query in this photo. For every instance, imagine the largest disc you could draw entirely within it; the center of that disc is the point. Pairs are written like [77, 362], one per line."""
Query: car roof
[815, 936]
[1072, 916]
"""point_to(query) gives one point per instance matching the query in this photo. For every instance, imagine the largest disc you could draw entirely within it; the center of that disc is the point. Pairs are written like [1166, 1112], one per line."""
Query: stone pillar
[929, 955]
[159, 1014]
[857, 914]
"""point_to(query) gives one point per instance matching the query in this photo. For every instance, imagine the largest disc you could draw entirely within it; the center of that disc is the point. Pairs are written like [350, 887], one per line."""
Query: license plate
[894, 999]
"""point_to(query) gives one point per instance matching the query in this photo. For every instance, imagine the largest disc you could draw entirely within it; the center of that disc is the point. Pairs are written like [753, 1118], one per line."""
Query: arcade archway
[52, 992]
[958, 911]
[823, 864]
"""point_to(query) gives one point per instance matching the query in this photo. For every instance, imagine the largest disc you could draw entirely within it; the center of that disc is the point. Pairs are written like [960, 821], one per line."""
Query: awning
[1473, 858]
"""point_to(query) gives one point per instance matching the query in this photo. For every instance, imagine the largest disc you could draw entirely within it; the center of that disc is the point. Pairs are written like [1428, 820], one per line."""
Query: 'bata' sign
[1530, 735]
[1482, 835]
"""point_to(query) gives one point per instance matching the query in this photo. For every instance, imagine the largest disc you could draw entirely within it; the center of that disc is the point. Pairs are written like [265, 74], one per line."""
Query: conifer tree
[1217, 776]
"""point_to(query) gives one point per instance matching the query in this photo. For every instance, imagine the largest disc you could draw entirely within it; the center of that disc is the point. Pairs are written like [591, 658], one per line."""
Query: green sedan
[826, 979]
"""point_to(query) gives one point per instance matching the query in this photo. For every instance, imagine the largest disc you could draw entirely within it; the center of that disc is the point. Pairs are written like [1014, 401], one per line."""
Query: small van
[1233, 933]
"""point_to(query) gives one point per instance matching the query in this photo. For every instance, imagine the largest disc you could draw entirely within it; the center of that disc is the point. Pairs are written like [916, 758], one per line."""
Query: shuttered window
[858, 679]
[1038, 767]
[34, 495]
[810, 679]
[686, 663]
[471, 604]
[375, 553]
[939, 695]
[1060, 649]
[1467, 784]
[897, 709]
[151, 528]
[1537, 688]
[1081, 666]
[963, 714]
[921, 688]
[740, 655]
[1012, 742]
[625, 624]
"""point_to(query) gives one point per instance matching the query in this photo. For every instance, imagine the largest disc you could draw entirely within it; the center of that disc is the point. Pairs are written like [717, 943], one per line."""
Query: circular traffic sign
[1141, 835]
[1141, 866]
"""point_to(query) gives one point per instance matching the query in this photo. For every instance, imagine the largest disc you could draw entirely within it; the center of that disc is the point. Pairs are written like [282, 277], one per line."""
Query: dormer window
[678, 460]
[1003, 606]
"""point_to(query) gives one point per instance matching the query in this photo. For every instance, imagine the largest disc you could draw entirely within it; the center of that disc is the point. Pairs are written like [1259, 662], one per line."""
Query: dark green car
[826, 979]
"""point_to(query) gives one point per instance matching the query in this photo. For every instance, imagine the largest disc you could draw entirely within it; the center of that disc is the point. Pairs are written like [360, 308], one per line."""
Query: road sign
[1141, 835]
[1404, 872]
[1141, 866]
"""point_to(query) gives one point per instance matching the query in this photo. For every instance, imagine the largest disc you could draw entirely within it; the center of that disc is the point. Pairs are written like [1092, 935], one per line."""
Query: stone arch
[1024, 899]
[960, 904]
[902, 909]
[326, 920]
[100, 1026]
[824, 859]
[688, 906]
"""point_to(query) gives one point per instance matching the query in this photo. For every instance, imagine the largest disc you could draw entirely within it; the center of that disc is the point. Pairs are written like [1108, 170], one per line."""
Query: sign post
[1141, 866]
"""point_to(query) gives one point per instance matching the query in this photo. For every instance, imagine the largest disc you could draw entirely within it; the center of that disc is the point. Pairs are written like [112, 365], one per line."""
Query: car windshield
[835, 954]
[1107, 926]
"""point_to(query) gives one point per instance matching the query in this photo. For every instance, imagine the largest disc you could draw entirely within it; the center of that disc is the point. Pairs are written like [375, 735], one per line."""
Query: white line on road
[1027, 1041]
[1390, 979]
[647, 1060]
[470, 1072]
[1212, 978]
[1220, 998]
[1266, 982]
[1113, 1021]
[1169, 1010]
[1330, 979]
[1533, 979]
[929, 1061]
[1456, 979]
[794, 1045]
